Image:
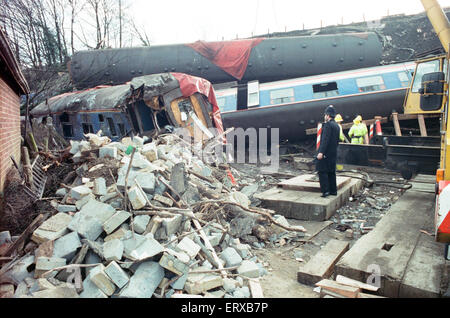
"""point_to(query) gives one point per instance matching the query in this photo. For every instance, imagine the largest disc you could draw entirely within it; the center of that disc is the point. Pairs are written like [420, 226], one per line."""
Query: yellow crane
[428, 93]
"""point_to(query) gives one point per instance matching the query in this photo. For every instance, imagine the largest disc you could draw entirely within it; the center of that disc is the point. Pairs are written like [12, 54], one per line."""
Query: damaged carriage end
[146, 106]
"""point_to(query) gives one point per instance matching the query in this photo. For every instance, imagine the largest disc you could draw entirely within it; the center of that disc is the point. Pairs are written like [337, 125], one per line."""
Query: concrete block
[172, 225]
[279, 230]
[66, 246]
[242, 292]
[229, 285]
[57, 292]
[140, 223]
[115, 221]
[110, 152]
[52, 229]
[117, 274]
[119, 234]
[231, 257]
[99, 186]
[99, 210]
[178, 178]
[5, 237]
[214, 239]
[189, 246]
[243, 250]
[146, 180]
[164, 200]
[108, 196]
[147, 248]
[150, 152]
[101, 280]
[91, 258]
[144, 282]
[113, 250]
[87, 226]
[248, 269]
[80, 203]
[180, 282]
[44, 264]
[130, 243]
[173, 264]
[21, 290]
[66, 208]
[200, 283]
[136, 198]
[80, 191]
[90, 290]
[61, 192]
[19, 272]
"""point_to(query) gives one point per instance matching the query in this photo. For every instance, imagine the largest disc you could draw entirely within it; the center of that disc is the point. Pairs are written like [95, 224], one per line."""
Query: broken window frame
[324, 90]
[286, 96]
[112, 127]
[66, 125]
[86, 123]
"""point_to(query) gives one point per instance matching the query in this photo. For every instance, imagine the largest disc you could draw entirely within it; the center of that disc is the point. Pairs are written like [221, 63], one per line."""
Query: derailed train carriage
[143, 106]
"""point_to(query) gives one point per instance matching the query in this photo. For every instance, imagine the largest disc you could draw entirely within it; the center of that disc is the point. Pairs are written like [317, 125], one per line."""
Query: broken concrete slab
[119, 234]
[248, 269]
[164, 200]
[140, 223]
[178, 178]
[80, 191]
[173, 264]
[321, 265]
[52, 229]
[117, 274]
[112, 223]
[144, 282]
[101, 280]
[99, 186]
[189, 246]
[44, 264]
[150, 152]
[90, 290]
[57, 292]
[148, 247]
[110, 152]
[146, 180]
[200, 283]
[66, 208]
[231, 257]
[306, 205]
[87, 226]
[66, 246]
[136, 198]
[172, 225]
[113, 250]
[80, 203]
[97, 209]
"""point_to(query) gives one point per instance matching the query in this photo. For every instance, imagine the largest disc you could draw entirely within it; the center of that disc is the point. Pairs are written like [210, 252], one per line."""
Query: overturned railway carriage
[143, 106]
[298, 104]
[262, 59]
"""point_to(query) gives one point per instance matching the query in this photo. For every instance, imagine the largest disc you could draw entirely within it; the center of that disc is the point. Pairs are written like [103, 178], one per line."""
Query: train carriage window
[281, 96]
[253, 93]
[86, 124]
[404, 79]
[112, 128]
[424, 68]
[370, 84]
[66, 125]
[101, 118]
[323, 90]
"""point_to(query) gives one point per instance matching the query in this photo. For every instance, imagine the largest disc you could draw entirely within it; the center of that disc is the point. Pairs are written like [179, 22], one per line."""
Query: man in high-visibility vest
[358, 131]
[339, 119]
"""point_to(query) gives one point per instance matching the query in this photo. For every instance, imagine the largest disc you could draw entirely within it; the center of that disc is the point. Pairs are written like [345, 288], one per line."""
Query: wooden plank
[325, 293]
[423, 128]
[321, 265]
[354, 283]
[255, 288]
[347, 291]
[209, 246]
[398, 132]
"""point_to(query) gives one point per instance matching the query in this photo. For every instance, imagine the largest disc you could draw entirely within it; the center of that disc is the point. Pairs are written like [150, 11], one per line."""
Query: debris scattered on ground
[143, 219]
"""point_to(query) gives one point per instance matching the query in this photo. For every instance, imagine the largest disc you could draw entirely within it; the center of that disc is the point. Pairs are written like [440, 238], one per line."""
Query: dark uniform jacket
[329, 141]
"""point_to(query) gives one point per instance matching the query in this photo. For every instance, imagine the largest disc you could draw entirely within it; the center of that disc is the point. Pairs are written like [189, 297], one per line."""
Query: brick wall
[9, 129]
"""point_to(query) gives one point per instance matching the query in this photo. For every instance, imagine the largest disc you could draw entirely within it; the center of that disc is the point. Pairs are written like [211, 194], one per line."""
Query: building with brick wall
[12, 86]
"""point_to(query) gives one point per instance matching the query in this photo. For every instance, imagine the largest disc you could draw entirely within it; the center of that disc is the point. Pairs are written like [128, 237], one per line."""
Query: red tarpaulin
[230, 56]
[192, 84]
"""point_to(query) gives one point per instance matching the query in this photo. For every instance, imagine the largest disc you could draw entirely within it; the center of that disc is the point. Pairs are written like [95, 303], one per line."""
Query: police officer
[358, 131]
[327, 153]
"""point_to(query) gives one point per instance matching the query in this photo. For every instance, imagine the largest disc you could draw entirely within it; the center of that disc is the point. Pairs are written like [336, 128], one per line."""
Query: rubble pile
[144, 219]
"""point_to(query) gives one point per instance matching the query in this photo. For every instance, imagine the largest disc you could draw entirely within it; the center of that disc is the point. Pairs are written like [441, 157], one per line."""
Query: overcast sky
[181, 21]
